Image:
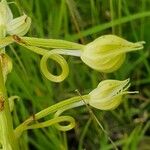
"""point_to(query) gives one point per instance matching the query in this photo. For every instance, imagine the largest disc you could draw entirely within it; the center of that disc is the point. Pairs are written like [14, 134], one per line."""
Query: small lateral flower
[18, 26]
[109, 94]
[107, 53]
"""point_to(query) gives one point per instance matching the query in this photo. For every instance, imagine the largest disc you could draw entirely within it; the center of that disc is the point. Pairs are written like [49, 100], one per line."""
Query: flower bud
[108, 94]
[107, 53]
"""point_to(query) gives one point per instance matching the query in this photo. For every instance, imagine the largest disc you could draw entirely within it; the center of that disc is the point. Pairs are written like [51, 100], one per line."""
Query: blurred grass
[83, 21]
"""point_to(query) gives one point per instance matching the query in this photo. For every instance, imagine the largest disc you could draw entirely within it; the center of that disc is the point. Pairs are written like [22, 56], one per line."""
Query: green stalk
[7, 136]
[8, 140]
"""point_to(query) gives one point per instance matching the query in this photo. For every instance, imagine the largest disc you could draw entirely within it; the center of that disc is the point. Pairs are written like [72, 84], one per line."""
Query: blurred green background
[82, 21]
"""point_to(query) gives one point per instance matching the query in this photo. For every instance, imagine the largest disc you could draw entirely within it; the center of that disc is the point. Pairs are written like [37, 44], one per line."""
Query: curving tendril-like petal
[60, 111]
[66, 119]
[52, 54]
[60, 60]
[33, 121]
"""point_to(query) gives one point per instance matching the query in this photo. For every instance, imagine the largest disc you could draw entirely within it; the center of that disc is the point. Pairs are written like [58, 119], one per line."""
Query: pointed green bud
[6, 64]
[107, 53]
[19, 26]
[108, 94]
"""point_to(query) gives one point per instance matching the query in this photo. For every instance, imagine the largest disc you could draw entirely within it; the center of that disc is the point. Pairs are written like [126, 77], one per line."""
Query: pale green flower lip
[108, 94]
[107, 53]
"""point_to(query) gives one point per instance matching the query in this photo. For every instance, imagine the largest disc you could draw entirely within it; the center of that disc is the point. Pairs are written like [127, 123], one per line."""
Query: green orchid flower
[107, 53]
[109, 94]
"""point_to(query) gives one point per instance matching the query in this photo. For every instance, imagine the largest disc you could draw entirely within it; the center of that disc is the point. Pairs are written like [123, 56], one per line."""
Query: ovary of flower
[18, 26]
[108, 94]
[107, 53]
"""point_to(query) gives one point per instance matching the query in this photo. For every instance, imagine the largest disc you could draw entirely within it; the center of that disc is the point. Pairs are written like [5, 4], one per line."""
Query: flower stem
[8, 139]
[7, 136]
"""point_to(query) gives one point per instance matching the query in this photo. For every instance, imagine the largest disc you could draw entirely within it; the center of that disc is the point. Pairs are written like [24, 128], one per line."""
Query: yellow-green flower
[107, 53]
[109, 94]
[8, 25]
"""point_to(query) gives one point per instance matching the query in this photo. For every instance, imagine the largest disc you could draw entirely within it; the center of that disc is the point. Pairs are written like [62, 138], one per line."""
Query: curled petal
[60, 60]
[52, 54]
[66, 119]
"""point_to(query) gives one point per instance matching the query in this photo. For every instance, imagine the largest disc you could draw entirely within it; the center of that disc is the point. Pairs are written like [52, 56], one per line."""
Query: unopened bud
[107, 53]
[108, 94]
